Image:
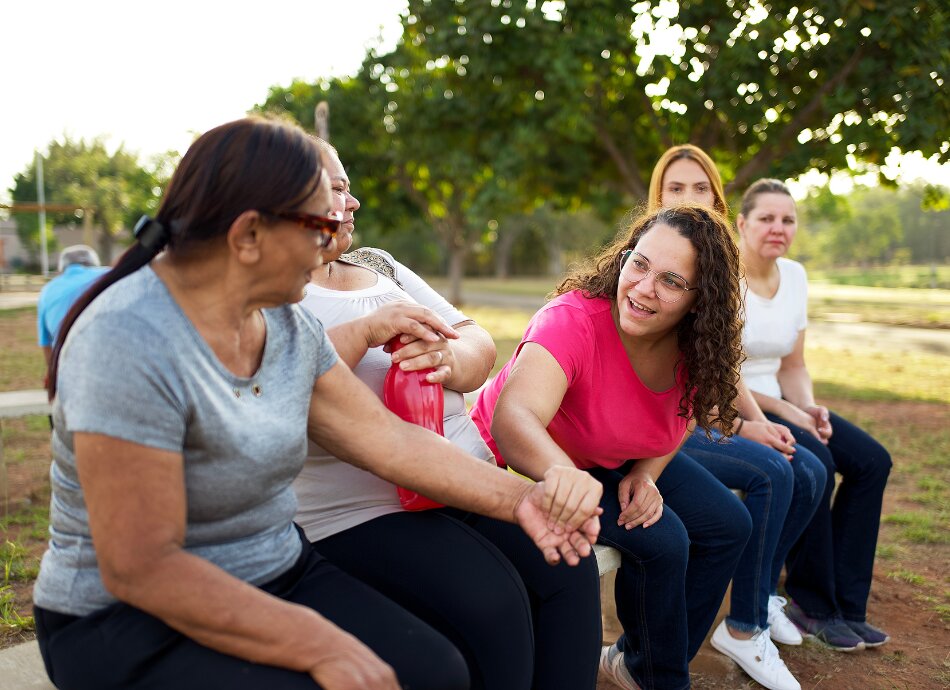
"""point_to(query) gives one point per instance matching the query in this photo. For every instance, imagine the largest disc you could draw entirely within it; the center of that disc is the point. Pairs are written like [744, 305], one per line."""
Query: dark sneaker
[834, 632]
[873, 637]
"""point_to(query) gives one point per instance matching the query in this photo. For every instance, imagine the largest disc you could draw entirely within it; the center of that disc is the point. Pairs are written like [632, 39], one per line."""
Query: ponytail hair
[249, 164]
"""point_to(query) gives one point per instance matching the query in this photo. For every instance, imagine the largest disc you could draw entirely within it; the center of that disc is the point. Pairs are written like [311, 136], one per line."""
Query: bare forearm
[770, 405]
[747, 406]
[349, 341]
[796, 386]
[219, 611]
[475, 354]
[525, 443]
[417, 459]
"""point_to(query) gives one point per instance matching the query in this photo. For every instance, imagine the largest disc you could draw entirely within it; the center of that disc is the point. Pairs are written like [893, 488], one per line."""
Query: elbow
[129, 578]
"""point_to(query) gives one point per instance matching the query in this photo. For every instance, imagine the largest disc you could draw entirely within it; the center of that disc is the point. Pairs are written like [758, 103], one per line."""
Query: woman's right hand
[770, 434]
[351, 665]
[802, 419]
[399, 318]
[570, 496]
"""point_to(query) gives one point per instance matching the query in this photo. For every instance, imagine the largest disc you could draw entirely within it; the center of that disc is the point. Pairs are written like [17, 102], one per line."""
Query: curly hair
[709, 336]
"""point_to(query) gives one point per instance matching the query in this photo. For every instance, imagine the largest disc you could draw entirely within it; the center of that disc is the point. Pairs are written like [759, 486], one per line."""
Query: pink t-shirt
[608, 416]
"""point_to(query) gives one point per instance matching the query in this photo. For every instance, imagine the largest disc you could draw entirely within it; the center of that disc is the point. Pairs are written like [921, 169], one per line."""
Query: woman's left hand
[822, 421]
[416, 354]
[640, 500]
[406, 319]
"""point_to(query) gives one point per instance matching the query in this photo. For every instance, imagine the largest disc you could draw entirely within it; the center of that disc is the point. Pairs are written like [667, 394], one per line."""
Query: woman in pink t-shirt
[610, 377]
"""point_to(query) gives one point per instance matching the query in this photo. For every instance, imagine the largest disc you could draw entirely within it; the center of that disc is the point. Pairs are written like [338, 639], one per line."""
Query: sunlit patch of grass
[10, 618]
[863, 375]
[907, 576]
[943, 610]
[21, 361]
[35, 518]
[921, 528]
[887, 552]
[16, 563]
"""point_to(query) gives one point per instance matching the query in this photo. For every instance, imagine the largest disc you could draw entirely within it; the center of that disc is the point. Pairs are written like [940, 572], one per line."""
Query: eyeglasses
[669, 286]
[328, 226]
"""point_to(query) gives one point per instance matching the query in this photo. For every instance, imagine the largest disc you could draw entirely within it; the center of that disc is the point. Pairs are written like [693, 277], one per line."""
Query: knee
[448, 672]
[811, 476]
[735, 525]
[881, 463]
[663, 546]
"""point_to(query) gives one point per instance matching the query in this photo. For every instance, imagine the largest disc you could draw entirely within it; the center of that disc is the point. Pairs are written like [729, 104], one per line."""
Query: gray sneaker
[873, 637]
[834, 632]
[613, 668]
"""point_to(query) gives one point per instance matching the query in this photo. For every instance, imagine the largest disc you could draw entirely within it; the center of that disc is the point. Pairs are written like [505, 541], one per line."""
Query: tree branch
[783, 141]
[632, 181]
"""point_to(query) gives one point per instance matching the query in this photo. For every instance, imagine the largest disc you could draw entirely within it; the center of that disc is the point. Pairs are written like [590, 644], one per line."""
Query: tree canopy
[490, 109]
[114, 188]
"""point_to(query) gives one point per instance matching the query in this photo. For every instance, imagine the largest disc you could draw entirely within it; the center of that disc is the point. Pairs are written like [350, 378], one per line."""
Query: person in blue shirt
[78, 268]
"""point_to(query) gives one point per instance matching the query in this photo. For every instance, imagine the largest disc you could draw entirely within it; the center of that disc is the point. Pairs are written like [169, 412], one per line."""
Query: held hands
[412, 321]
[640, 500]
[770, 434]
[822, 421]
[351, 665]
[570, 538]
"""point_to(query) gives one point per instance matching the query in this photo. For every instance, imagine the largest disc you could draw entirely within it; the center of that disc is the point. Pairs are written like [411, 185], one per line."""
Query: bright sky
[151, 75]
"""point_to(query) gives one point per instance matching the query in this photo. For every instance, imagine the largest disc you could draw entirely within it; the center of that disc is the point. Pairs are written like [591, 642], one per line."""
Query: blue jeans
[674, 573]
[781, 497]
[830, 568]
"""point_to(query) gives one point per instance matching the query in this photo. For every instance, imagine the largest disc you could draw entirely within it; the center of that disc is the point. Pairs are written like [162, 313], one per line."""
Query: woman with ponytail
[185, 383]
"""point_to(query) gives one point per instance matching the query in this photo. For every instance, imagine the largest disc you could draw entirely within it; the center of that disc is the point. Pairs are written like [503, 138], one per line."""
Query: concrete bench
[21, 668]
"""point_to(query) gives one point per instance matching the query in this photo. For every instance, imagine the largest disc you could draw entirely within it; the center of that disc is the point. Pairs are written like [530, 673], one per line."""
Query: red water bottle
[415, 400]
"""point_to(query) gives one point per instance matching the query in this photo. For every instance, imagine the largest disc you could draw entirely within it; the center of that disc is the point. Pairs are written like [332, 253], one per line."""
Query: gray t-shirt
[135, 368]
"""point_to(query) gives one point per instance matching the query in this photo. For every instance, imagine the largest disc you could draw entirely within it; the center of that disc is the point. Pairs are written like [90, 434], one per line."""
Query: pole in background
[41, 197]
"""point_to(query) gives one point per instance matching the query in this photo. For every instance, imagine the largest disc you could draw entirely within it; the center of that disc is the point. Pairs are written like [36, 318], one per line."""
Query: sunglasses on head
[328, 226]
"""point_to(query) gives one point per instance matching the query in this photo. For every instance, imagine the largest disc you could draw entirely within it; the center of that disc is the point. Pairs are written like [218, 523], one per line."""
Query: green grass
[34, 518]
[907, 576]
[21, 359]
[10, 618]
[920, 527]
[885, 276]
[16, 563]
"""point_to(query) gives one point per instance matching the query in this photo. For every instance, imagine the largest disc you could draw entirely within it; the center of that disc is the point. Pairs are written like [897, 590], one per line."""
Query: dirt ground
[918, 656]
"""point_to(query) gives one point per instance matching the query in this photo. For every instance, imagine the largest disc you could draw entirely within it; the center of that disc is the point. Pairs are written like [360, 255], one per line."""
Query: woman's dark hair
[766, 185]
[709, 336]
[248, 164]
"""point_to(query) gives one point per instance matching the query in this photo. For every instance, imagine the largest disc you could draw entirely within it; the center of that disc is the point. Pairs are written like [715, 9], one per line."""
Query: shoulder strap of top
[374, 261]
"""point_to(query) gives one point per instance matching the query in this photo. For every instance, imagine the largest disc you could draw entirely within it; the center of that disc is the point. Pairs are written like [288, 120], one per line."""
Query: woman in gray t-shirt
[184, 395]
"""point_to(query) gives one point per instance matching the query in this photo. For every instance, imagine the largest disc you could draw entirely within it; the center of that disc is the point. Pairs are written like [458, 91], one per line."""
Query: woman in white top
[829, 569]
[519, 622]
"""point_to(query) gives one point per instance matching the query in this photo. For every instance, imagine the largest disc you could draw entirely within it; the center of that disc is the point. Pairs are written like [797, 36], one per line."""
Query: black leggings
[124, 647]
[544, 633]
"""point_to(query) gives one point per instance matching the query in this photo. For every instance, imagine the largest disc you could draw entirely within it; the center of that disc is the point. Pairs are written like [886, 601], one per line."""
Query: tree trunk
[503, 248]
[456, 271]
[106, 241]
[555, 254]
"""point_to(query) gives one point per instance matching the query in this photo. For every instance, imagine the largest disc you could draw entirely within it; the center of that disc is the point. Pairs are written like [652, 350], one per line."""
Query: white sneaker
[781, 629]
[612, 667]
[758, 657]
